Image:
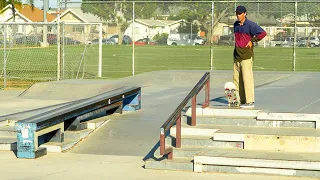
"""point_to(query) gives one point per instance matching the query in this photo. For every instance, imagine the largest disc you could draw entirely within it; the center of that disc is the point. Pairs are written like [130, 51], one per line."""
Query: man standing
[245, 33]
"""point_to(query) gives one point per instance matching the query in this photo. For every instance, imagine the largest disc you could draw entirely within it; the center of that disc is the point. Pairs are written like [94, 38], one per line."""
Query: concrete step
[73, 137]
[245, 117]
[8, 131]
[77, 134]
[57, 147]
[274, 139]
[185, 152]
[202, 141]
[258, 162]
[7, 122]
[243, 121]
[96, 123]
[8, 143]
[227, 112]
[181, 164]
[254, 138]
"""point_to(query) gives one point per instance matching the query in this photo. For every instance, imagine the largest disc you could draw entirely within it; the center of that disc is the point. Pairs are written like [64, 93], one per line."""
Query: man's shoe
[248, 105]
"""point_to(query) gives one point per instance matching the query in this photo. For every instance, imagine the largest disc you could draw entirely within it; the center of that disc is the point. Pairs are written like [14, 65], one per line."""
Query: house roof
[34, 14]
[85, 17]
[20, 15]
[159, 23]
[30, 14]
[90, 18]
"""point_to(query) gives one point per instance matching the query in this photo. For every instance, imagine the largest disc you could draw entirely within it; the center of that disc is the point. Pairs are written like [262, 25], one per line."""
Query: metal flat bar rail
[76, 109]
[29, 129]
[175, 117]
[28, 113]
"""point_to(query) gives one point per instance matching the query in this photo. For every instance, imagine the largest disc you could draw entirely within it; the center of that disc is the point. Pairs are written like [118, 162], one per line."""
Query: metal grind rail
[175, 117]
[30, 129]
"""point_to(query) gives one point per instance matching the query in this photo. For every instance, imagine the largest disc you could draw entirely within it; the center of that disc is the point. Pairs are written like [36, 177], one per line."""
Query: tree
[119, 13]
[14, 4]
[200, 12]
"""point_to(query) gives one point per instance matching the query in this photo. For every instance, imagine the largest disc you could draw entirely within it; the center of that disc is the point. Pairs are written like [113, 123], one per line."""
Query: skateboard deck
[232, 94]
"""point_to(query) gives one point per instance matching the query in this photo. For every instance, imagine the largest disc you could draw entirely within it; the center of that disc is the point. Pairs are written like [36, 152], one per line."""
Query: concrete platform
[134, 136]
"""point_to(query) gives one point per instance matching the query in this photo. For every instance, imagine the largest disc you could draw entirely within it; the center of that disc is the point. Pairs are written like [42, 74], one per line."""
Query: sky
[53, 3]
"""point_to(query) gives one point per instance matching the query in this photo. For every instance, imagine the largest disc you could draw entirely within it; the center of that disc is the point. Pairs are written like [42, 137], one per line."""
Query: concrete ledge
[194, 131]
[272, 139]
[8, 146]
[230, 112]
[203, 141]
[290, 117]
[229, 137]
[228, 121]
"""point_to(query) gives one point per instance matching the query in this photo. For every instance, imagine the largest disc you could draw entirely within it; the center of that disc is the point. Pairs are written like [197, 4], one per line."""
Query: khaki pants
[243, 79]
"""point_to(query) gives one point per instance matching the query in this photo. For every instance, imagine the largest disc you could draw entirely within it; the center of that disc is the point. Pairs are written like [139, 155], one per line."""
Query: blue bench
[30, 131]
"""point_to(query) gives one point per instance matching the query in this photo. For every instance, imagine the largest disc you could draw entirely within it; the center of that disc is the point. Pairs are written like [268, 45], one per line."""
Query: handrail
[176, 115]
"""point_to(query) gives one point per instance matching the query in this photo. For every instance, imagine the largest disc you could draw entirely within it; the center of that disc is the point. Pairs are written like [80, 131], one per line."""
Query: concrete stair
[263, 162]
[245, 141]
[202, 141]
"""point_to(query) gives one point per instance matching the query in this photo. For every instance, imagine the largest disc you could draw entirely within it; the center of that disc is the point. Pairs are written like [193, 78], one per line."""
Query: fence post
[5, 57]
[58, 44]
[295, 36]
[100, 51]
[62, 51]
[133, 38]
[211, 36]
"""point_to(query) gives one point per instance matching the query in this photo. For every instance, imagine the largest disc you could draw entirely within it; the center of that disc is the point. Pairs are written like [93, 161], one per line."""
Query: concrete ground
[89, 166]
[117, 150]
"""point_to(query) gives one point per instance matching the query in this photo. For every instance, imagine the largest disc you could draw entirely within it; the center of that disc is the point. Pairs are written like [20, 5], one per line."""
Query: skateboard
[232, 94]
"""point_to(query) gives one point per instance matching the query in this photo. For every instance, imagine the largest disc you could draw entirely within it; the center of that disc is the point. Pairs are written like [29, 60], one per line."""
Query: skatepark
[126, 145]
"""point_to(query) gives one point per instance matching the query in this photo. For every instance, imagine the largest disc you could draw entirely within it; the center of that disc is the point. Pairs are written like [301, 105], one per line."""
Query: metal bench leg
[132, 103]
[27, 142]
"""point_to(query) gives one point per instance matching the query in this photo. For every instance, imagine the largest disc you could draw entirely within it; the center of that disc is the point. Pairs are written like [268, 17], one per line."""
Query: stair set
[234, 140]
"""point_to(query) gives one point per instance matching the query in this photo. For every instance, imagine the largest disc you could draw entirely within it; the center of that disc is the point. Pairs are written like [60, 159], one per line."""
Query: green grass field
[117, 60]
[41, 63]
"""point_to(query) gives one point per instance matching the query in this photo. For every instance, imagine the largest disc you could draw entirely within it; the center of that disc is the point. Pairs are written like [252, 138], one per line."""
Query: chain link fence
[32, 52]
[133, 37]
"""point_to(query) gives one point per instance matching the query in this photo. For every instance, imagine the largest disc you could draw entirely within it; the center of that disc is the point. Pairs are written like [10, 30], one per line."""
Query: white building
[149, 28]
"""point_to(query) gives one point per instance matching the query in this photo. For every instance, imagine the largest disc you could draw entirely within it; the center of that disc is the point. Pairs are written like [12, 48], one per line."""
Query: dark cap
[241, 9]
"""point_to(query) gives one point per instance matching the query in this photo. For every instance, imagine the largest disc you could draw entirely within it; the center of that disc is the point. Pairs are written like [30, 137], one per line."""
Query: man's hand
[249, 44]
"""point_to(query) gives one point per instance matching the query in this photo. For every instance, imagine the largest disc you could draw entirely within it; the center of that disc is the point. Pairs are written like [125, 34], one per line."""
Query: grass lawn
[117, 60]
[82, 61]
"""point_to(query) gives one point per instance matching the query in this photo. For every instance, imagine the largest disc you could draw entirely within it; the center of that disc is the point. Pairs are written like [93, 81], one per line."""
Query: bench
[30, 131]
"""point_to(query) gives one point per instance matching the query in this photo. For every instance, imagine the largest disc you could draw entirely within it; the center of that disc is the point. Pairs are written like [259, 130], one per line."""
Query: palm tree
[14, 4]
